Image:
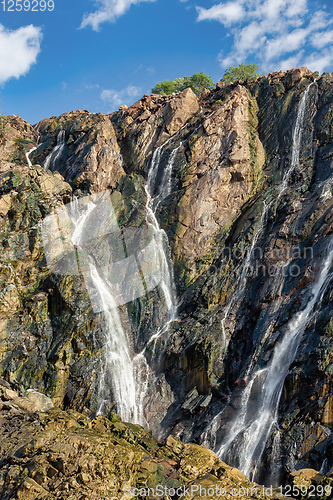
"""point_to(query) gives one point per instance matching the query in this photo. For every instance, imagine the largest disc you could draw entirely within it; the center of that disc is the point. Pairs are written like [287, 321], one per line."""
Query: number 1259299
[27, 5]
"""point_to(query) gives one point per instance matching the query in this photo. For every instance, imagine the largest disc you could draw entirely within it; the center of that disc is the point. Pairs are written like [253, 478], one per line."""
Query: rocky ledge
[49, 454]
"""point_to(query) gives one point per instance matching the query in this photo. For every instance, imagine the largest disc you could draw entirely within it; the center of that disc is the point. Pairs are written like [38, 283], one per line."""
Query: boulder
[294, 75]
[41, 402]
[181, 107]
[195, 401]
[305, 477]
[204, 94]
[9, 394]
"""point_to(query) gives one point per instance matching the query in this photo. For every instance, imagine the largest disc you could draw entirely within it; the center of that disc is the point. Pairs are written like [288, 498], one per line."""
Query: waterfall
[155, 163]
[160, 236]
[256, 416]
[27, 155]
[324, 467]
[51, 160]
[144, 376]
[130, 379]
[297, 141]
[208, 439]
[117, 369]
[116, 271]
[252, 427]
[118, 363]
[276, 460]
[165, 185]
[37, 127]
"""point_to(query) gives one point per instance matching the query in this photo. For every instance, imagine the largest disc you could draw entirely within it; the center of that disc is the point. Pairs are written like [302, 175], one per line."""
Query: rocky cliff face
[242, 272]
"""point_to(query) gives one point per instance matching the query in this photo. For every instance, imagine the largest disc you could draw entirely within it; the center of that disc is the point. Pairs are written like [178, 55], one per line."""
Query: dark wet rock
[195, 402]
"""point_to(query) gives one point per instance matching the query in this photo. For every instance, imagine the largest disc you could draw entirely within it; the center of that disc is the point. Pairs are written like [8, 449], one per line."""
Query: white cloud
[117, 97]
[297, 8]
[225, 61]
[109, 11]
[320, 61]
[285, 44]
[290, 62]
[227, 13]
[320, 40]
[18, 51]
[319, 21]
[273, 33]
[253, 35]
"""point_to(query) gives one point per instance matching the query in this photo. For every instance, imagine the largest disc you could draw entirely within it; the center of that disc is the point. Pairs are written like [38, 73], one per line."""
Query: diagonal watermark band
[83, 238]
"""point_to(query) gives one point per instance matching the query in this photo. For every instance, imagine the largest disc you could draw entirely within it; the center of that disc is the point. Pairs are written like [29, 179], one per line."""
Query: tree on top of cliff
[241, 72]
[196, 82]
[164, 88]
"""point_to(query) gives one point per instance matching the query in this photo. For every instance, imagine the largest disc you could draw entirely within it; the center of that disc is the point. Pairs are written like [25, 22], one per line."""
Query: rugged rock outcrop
[149, 122]
[48, 329]
[65, 455]
[88, 155]
[228, 156]
[224, 160]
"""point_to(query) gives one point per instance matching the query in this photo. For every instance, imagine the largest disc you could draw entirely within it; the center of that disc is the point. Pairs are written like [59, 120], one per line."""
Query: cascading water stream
[118, 367]
[128, 378]
[252, 427]
[297, 140]
[258, 410]
[145, 377]
[160, 237]
[118, 363]
[27, 155]
[57, 151]
[324, 467]
[276, 464]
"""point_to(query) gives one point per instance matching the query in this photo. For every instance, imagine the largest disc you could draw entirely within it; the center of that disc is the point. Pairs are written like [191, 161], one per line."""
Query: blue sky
[96, 55]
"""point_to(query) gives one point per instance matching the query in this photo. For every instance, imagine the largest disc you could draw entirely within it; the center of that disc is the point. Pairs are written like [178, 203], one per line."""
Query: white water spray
[250, 430]
[118, 364]
[117, 369]
[53, 157]
[128, 378]
[27, 155]
[160, 237]
[297, 141]
[258, 411]
[145, 377]
[276, 464]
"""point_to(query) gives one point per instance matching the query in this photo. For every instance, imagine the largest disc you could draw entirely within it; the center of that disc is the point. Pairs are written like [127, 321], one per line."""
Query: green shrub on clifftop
[241, 72]
[197, 82]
